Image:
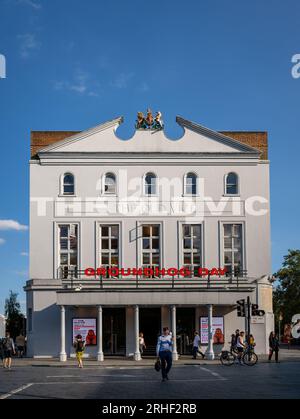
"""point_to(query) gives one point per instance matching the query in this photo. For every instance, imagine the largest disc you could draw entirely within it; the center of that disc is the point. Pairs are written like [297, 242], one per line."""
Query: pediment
[103, 139]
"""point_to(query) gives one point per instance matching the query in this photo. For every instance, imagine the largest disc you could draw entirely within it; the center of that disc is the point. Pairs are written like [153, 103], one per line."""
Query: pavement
[118, 378]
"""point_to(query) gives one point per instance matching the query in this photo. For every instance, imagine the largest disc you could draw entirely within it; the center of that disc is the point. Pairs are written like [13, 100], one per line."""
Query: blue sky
[72, 64]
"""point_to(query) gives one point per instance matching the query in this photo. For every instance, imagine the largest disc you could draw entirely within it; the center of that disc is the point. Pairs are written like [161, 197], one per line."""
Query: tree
[14, 317]
[287, 293]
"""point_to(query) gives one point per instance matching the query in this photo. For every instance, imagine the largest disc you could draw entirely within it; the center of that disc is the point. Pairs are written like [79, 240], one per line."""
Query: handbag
[157, 365]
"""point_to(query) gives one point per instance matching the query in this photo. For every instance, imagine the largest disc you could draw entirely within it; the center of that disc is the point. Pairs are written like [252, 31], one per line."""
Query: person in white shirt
[240, 345]
[164, 352]
[142, 342]
[196, 343]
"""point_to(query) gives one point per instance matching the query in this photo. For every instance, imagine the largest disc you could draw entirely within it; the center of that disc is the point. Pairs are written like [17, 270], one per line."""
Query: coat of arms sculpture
[148, 121]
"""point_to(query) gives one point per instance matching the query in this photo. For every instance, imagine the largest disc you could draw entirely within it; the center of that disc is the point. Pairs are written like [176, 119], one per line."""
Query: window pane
[187, 258]
[186, 230]
[227, 242]
[155, 243]
[155, 259]
[187, 243]
[69, 189]
[104, 243]
[231, 189]
[196, 258]
[114, 243]
[146, 258]
[73, 258]
[227, 230]
[64, 231]
[232, 184]
[196, 244]
[237, 243]
[110, 183]
[237, 230]
[146, 231]
[196, 231]
[115, 260]
[155, 230]
[105, 258]
[146, 243]
[114, 231]
[64, 244]
[228, 257]
[64, 259]
[104, 231]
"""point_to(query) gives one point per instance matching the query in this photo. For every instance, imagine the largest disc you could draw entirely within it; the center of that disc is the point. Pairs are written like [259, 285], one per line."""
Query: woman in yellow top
[79, 346]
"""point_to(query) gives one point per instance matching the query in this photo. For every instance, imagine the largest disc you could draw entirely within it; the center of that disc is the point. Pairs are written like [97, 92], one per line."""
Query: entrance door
[150, 326]
[185, 327]
[114, 331]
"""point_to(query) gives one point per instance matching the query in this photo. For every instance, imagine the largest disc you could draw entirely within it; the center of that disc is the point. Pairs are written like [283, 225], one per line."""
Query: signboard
[217, 330]
[257, 319]
[87, 328]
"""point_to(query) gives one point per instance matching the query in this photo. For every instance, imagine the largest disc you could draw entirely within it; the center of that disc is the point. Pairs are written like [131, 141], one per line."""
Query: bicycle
[248, 357]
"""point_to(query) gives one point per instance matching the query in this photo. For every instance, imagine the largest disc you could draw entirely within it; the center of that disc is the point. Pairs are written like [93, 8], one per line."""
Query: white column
[62, 355]
[174, 352]
[210, 348]
[137, 354]
[100, 356]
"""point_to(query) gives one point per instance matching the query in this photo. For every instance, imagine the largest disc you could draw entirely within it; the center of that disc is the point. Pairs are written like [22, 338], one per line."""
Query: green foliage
[287, 293]
[14, 318]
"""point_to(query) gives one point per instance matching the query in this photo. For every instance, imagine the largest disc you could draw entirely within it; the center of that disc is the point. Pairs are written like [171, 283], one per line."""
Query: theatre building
[128, 236]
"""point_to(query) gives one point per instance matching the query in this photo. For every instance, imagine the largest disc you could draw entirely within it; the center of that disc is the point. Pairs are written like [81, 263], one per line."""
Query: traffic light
[255, 311]
[241, 308]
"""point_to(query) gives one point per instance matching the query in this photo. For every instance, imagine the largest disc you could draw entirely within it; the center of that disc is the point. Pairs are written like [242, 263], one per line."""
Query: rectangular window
[68, 250]
[191, 246]
[151, 246]
[232, 246]
[109, 245]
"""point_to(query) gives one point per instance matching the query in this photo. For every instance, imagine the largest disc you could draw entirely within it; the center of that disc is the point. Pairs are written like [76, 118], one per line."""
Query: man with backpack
[79, 346]
[8, 350]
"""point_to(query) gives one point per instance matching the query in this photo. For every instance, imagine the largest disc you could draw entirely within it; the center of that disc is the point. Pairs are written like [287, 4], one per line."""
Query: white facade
[52, 302]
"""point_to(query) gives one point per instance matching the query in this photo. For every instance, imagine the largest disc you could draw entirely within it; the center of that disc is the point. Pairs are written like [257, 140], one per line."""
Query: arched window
[231, 184]
[190, 184]
[68, 187]
[150, 184]
[110, 184]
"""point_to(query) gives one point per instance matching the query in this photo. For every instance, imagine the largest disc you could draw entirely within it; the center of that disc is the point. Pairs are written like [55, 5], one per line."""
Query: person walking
[142, 344]
[196, 343]
[274, 346]
[164, 352]
[79, 346]
[20, 344]
[240, 346]
[8, 349]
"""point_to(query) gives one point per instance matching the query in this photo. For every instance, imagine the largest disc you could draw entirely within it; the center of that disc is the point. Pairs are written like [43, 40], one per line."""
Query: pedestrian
[79, 346]
[196, 343]
[142, 344]
[274, 346]
[8, 349]
[240, 346]
[20, 344]
[164, 352]
[2, 350]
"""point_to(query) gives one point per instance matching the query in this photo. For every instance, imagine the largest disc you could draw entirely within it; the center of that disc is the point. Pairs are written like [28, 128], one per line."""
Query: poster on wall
[87, 328]
[217, 330]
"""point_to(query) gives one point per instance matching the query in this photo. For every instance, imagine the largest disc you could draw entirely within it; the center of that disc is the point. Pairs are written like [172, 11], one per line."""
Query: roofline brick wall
[256, 139]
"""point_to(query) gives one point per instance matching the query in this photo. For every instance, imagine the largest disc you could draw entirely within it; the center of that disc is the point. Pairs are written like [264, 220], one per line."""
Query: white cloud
[80, 84]
[122, 80]
[2, 241]
[144, 87]
[35, 5]
[28, 44]
[24, 254]
[12, 225]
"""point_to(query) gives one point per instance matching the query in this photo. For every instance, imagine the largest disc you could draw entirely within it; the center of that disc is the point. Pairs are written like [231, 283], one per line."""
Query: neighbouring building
[149, 203]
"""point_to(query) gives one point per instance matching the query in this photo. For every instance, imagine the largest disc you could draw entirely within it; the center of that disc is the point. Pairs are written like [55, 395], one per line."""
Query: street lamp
[280, 318]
